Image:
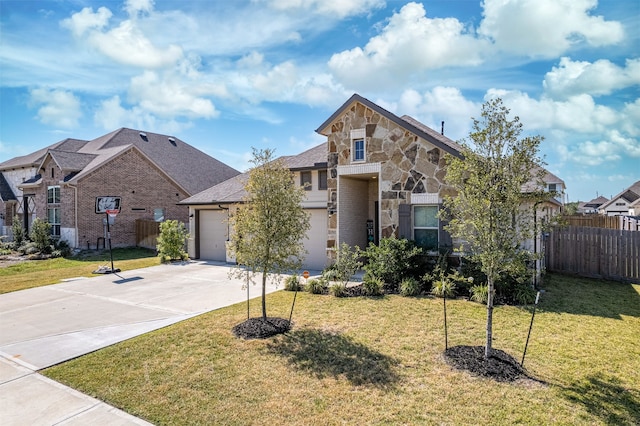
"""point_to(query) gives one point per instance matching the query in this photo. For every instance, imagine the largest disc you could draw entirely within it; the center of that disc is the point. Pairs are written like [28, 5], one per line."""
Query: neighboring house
[619, 205]
[634, 208]
[591, 207]
[379, 175]
[71, 184]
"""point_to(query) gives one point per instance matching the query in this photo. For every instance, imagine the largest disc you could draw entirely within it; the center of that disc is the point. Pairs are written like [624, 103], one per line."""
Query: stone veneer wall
[409, 164]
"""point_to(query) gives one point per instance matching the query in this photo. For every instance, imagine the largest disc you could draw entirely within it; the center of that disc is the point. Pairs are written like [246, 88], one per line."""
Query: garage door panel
[316, 243]
[213, 235]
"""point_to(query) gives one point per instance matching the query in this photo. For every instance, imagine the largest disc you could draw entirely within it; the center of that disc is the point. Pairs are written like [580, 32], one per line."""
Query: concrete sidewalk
[47, 325]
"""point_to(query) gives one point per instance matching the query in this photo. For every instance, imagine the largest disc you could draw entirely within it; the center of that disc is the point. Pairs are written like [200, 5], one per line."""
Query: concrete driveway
[47, 325]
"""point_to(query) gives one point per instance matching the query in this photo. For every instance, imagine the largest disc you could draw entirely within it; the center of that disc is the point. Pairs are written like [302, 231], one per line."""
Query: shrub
[393, 260]
[338, 290]
[62, 248]
[172, 240]
[410, 287]
[524, 294]
[372, 286]
[479, 293]
[347, 263]
[29, 248]
[292, 283]
[18, 232]
[316, 286]
[40, 235]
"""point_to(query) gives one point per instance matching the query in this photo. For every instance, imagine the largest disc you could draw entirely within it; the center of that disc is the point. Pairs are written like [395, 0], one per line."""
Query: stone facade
[408, 164]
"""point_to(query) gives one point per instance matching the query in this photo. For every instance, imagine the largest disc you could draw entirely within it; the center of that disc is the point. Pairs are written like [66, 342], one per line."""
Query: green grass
[379, 361]
[37, 273]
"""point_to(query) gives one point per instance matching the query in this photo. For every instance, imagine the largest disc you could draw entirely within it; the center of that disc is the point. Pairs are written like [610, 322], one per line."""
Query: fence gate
[147, 233]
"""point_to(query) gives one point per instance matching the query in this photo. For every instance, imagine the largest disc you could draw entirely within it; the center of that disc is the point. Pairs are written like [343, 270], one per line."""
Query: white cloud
[601, 77]
[112, 115]
[546, 28]
[86, 20]
[168, 96]
[335, 8]
[58, 108]
[408, 44]
[126, 43]
[440, 104]
[134, 7]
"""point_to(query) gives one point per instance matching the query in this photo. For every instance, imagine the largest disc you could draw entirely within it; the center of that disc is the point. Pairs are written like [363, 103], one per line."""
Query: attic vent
[173, 141]
[144, 136]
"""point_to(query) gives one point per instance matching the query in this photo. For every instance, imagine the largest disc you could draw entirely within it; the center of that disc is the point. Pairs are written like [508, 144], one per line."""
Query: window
[305, 180]
[53, 195]
[621, 204]
[53, 217]
[322, 179]
[358, 150]
[426, 227]
[158, 215]
[552, 187]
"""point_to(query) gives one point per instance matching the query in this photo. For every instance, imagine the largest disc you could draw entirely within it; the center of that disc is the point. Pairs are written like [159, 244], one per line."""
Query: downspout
[75, 213]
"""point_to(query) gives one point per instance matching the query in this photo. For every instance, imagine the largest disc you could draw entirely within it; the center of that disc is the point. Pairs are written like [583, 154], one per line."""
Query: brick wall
[142, 188]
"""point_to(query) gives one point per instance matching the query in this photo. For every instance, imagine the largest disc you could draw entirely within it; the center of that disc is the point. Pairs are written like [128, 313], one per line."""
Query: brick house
[377, 175]
[72, 182]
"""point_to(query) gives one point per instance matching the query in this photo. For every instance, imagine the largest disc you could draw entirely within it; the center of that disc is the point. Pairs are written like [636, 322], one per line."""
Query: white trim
[428, 198]
[358, 134]
[359, 169]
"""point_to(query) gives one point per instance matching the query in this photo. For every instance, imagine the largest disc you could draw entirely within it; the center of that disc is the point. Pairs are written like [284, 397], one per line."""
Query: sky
[229, 75]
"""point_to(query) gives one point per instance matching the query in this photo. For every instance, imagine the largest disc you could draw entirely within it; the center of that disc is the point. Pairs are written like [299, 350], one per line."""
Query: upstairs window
[358, 150]
[305, 180]
[53, 195]
[322, 179]
[553, 187]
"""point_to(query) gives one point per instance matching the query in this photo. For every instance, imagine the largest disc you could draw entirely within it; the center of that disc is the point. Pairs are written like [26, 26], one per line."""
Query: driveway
[44, 326]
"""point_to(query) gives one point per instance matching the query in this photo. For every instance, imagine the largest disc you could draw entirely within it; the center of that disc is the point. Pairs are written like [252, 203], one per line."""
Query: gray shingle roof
[6, 194]
[630, 194]
[190, 168]
[406, 122]
[313, 158]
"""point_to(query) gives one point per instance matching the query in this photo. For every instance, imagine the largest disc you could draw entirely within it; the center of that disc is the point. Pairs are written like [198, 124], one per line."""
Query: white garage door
[316, 244]
[213, 234]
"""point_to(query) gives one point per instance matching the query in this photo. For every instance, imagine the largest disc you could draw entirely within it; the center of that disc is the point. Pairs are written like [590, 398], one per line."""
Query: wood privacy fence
[594, 252]
[599, 221]
[147, 232]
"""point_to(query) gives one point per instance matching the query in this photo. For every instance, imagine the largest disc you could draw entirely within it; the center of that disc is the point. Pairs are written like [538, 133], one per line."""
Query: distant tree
[487, 213]
[171, 241]
[269, 226]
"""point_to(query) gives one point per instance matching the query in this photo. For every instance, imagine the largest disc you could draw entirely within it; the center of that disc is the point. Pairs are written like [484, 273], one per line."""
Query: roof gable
[405, 122]
[629, 194]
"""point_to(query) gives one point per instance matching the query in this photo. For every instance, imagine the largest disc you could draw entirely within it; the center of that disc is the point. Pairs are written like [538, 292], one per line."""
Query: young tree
[487, 213]
[171, 241]
[269, 226]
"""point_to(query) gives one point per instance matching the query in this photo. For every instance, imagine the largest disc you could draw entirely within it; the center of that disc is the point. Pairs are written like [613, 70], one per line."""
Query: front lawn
[379, 361]
[36, 273]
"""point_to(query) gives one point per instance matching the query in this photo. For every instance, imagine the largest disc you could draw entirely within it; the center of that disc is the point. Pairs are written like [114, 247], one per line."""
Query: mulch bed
[259, 328]
[500, 366]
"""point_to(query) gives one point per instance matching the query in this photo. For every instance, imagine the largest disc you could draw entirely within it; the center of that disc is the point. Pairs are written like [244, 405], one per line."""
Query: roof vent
[143, 135]
[173, 141]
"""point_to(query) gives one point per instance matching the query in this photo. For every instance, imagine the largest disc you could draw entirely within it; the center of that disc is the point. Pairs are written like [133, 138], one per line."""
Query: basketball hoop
[112, 213]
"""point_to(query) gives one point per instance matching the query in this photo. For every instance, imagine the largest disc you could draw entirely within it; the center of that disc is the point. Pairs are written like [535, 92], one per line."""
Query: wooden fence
[147, 232]
[600, 221]
[594, 252]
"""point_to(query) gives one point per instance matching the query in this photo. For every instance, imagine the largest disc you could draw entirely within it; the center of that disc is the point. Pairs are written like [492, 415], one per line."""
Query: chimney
[442, 129]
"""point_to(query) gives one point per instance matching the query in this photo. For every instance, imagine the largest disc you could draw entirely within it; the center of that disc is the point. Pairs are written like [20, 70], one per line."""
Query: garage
[212, 234]
[316, 244]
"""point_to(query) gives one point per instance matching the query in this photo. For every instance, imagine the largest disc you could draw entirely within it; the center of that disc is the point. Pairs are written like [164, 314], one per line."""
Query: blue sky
[229, 75]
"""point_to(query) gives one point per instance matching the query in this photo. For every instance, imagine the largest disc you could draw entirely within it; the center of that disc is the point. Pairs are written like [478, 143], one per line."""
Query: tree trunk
[487, 348]
[264, 295]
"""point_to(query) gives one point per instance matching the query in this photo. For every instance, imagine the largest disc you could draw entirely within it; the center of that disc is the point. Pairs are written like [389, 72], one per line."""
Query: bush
[347, 263]
[393, 260]
[524, 294]
[172, 240]
[372, 286]
[18, 232]
[479, 293]
[62, 248]
[316, 286]
[292, 283]
[338, 290]
[410, 287]
[40, 235]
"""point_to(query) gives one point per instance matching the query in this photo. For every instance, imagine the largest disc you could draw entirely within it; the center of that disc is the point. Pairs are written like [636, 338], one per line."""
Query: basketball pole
[109, 238]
